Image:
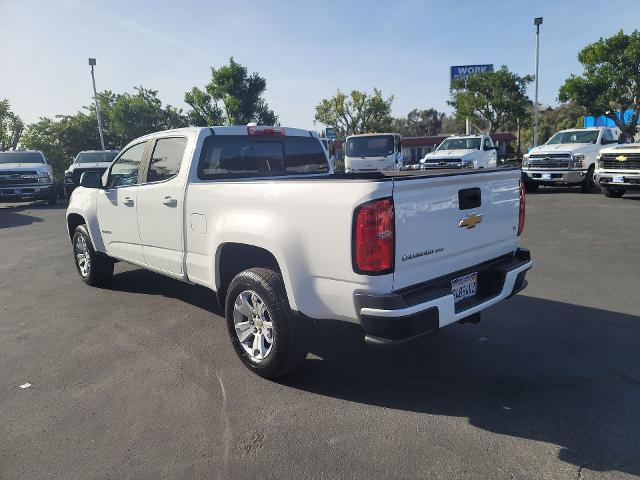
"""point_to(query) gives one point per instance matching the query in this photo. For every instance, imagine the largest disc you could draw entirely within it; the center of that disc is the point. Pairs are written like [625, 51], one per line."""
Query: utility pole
[92, 62]
[537, 22]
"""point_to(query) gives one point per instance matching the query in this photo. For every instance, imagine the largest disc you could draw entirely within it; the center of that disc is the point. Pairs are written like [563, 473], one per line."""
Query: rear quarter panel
[305, 224]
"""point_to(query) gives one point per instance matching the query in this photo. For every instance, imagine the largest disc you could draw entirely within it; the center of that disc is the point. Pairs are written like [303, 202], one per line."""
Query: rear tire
[531, 187]
[94, 268]
[265, 334]
[588, 185]
[612, 192]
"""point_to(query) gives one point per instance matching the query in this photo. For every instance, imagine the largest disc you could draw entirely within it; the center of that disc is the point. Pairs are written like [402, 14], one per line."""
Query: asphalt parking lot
[140, 381]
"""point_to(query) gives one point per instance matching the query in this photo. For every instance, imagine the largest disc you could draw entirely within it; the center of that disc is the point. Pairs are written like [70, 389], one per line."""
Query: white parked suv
[618, 169]
[568, 158]
[464, 151]
[255, 214]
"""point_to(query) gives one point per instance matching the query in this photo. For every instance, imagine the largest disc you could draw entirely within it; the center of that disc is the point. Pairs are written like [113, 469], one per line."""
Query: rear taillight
[374, 237]
[259, 130]
[521, 210]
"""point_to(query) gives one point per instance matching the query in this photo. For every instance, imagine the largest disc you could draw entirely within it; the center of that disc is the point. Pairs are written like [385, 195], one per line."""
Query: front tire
[53, 198]
[267, 337]
[612, 192]
[531, 187]
[588, 185]
[95, 269]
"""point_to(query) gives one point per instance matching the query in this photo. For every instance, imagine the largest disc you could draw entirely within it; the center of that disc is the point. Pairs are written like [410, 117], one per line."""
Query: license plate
[464, 287]
[546, 176]
[617, 179]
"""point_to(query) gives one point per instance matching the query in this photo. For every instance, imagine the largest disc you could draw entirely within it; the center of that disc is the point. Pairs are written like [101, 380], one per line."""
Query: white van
[373, 152]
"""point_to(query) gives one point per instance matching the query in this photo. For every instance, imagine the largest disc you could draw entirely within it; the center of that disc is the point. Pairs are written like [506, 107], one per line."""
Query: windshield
[460, 144]
[93, 157]
[574, 136]
[370, 146]
[21, 157]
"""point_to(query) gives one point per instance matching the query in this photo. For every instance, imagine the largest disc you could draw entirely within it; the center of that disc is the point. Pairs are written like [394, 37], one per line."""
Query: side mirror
[71, 160]
[91, 180]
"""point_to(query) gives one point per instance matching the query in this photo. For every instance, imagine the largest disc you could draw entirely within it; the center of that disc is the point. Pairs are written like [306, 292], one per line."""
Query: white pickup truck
[86, 161]
[618, 169]
[464, 151]
[256, 215]
[568, 158]
[26, 175]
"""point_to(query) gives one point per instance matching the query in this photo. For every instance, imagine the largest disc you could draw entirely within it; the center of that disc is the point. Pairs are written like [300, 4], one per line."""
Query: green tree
[610, 83]
[356, 113]
[125, 117]
[493, 98]
[562, 117]
[419, 123]
[11, 127]
[232, 97]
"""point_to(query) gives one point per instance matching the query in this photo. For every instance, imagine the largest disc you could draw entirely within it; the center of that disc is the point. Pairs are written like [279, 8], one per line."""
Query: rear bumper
[631, 180]
[400, 316]
[27, 192]
[557, 176]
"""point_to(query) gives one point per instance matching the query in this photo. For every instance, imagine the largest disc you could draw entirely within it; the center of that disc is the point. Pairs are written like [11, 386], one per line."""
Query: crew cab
[464, 151]
[86, 161]
[256, 214]
[26, 175]
[618, 169]
[568, 158]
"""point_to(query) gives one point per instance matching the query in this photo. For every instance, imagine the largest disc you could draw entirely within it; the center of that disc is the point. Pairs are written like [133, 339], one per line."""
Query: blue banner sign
[463, 71]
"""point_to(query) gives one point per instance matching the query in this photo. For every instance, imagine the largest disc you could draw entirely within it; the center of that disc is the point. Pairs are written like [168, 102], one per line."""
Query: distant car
[464, 151]
[26, 175]
[568, 158]
[87, 161]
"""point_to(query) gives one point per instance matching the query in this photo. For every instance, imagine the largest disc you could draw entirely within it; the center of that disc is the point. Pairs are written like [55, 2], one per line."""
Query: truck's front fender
[83, 203]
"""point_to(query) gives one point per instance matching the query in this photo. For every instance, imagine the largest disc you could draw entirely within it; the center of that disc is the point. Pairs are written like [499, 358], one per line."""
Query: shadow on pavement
[150, 283]
[537, 369]
[534, 369]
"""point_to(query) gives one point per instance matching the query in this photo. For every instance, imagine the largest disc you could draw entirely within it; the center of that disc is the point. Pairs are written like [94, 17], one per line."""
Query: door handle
[128, 201]
[169, 201]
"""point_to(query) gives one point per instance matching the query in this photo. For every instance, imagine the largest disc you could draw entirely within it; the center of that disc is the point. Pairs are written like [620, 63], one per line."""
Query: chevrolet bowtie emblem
[471, 221]
[621, 158]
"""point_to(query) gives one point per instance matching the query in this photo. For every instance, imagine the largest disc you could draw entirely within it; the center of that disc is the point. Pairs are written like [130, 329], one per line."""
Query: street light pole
[537, 22]
[92, 62]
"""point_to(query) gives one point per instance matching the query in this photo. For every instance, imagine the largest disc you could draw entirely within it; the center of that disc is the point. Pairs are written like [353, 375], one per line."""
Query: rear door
[450, 223]
[160, 205]
[117, 205]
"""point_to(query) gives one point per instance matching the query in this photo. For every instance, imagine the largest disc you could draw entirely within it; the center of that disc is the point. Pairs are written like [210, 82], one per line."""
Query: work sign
[463, 71]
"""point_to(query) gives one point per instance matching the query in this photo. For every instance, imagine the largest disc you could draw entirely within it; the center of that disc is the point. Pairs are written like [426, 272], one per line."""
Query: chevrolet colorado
[257, 215]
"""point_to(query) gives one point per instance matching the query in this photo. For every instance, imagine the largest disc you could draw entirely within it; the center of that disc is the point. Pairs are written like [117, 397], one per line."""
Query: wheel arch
[232, 258]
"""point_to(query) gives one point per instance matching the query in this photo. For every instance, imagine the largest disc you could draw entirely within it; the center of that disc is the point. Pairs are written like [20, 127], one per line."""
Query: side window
[607, 137]
[487, 144]
[124, 170]
[166, 159]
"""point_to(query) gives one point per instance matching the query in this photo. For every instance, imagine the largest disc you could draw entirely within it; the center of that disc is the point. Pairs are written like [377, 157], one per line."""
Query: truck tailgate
[445, 224]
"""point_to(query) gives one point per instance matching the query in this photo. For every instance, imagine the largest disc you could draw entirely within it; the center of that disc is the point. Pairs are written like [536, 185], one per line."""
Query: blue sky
[305, 50]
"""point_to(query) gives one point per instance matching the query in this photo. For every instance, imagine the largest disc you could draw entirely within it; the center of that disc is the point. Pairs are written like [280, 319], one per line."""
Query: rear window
[240, 156]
